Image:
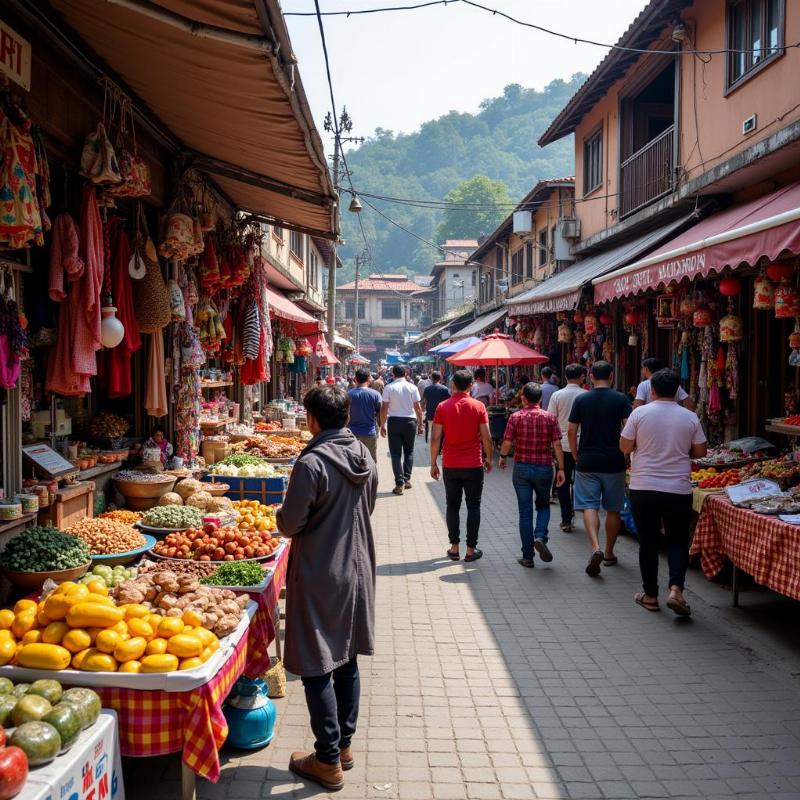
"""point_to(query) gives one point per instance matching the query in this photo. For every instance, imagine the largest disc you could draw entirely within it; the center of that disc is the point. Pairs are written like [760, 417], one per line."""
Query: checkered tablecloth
[761, 545]
[154, 723]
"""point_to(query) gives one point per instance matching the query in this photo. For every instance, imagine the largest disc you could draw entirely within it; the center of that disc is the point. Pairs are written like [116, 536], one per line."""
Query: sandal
[453, 556]
[639, 597]
[610, 562]
[680, 607]
[475, 556]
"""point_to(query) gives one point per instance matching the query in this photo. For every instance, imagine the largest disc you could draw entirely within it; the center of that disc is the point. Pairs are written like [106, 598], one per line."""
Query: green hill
[499, 142]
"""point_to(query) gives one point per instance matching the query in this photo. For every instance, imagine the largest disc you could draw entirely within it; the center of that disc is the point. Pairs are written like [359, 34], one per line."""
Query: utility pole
[345, 125]
[361, 258]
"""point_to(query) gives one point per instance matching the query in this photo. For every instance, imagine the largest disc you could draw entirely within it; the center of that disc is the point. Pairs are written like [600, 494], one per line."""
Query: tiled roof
[383, 285]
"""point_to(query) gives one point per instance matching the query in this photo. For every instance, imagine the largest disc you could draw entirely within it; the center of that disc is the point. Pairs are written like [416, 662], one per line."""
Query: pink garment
[155, 395]
[9, 364]
[65, 262]
[86, 322]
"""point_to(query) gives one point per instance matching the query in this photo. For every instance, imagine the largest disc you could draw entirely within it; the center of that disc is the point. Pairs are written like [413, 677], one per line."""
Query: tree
[488, 203]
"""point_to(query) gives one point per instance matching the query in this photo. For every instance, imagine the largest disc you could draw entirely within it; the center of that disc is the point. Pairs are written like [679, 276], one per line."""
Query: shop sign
[549, 305]
[15, 56]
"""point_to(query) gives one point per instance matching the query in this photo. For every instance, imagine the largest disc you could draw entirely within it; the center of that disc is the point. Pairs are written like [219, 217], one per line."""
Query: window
[593, 162]
[755, 36]
[543, 247]
[517, 266]
[499, 261]
[529, 260]
[296, 245]
[277, 230]
[349, 308]
[313, 269]
[473, 277]
[391, 309]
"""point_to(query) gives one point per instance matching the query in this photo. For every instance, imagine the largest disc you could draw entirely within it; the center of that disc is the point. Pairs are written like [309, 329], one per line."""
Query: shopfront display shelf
[215, 384]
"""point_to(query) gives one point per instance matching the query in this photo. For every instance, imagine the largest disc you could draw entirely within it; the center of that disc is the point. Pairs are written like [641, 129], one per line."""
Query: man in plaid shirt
[535, 436]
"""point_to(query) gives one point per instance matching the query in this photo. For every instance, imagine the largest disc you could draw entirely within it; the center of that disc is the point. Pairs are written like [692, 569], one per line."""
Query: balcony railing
[648, 173]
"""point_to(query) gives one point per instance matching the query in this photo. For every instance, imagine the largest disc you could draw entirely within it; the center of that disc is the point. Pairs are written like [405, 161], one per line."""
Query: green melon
[21, 689]
[39, 741]
[6, 686]
[49, 689]
[30, 708]
[7, 703]
[67, 720]
[87, 702]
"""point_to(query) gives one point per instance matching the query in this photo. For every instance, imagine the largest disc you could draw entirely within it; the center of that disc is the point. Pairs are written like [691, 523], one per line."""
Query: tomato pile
[730, 477]
[211, 543]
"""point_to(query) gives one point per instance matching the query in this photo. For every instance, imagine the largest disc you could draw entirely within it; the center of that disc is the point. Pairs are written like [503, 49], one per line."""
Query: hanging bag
[137, 268]
[134, 170]
[152, 298]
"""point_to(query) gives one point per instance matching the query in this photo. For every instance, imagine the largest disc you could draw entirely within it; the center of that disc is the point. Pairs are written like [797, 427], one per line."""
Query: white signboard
[15, 56]
[752, 490]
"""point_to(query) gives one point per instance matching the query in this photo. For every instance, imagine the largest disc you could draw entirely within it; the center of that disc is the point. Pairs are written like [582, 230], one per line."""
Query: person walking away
[535, 436]
[365, 408]
[482, 390]
[560, 407]
[330, 611]
[663, 438]
[423, 383]
[599, 415]
[431, 397]
[401, 404]
[644, 392]
[464, 424]
[549, 387]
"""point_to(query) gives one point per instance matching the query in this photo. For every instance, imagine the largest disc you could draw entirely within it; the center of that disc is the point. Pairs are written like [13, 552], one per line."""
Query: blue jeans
[532, 480]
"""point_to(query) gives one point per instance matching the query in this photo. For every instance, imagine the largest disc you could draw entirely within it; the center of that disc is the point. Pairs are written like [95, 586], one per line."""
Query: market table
[699, 497]
[761, 545]
[90, 770]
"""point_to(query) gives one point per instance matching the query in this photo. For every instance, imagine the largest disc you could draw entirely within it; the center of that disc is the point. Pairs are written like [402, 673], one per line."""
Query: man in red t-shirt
[465, 426]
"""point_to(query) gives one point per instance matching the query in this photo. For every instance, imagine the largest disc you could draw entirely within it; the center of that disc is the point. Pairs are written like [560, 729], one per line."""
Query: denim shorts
[590, 487]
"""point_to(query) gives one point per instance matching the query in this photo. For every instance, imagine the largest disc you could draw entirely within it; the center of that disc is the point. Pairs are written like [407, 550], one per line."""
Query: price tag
[752, 490]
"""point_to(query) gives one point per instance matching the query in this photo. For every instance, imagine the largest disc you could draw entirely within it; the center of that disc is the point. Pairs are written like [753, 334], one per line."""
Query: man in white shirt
[560, 406]
[644, 392]
[482, 391]
[400, 406]
[663, 438]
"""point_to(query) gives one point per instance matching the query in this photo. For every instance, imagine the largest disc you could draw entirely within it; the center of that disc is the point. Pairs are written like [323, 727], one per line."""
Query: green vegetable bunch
[173, 517]
[243, 460]
[236, 573]
[43, 549]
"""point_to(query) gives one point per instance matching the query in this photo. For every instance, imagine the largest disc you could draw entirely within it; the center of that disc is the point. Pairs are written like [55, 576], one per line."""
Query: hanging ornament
[577, 317]
[702, 317]
[590, 324]
[787, 301]
[780, 271]
[730, 329]
[631, 317]
[763, 293]
[112, 331]
[538, 338]
[564, 333]
[730, 286]
[605, 319]
[687, 307]
[794, 339]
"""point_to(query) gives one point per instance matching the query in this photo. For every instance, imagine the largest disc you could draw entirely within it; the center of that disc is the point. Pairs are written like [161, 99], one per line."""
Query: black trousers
[565, 490]
[332, 701]
[650, 510]
[470, 483]
[402, 432]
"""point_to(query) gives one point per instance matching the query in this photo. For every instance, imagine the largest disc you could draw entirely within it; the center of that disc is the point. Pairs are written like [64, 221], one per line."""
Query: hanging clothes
[155, 395]
[86, 325]
[66, 269]
[115, 364]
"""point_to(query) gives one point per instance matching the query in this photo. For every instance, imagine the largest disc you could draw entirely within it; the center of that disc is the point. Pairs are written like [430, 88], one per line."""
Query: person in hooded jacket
[330, 587]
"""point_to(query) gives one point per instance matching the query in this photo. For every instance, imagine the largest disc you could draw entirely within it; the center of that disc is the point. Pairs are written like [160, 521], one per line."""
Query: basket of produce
[142, 490]
[167, 519]
[108, 426]
[41, 553]
[111, 542]
[214, 544]
[216, 489]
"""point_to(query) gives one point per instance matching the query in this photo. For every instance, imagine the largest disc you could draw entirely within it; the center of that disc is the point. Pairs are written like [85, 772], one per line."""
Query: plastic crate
[269, 491]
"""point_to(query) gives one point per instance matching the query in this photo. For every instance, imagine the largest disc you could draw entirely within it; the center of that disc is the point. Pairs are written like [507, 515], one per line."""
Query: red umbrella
[497, 350]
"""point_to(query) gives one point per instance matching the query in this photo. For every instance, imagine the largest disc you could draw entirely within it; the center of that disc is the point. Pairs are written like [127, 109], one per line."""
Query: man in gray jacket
[330, 587]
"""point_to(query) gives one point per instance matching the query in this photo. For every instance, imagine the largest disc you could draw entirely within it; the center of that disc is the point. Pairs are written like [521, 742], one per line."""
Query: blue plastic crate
[266, 490]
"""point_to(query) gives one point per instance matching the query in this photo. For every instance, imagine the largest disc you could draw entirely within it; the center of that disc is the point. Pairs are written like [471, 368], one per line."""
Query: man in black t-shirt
[600, 464]
[431, 397]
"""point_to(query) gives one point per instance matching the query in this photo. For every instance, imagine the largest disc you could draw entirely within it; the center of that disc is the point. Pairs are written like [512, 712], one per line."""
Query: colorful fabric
[532, 431]
[761, 545]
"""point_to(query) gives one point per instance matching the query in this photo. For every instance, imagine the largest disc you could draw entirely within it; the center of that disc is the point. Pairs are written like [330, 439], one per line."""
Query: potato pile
[193, 493]
[171, 595]
[106, 536]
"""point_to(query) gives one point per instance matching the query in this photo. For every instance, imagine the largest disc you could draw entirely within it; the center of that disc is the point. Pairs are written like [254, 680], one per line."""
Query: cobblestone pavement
[493, 681]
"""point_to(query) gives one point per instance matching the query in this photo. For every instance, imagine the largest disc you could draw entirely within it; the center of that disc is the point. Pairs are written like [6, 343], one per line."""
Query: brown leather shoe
[328, 775]
[346, 758]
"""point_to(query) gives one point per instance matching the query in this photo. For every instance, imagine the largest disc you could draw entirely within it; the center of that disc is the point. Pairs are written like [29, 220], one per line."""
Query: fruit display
[108, 426]
[723, 456]
[107, 576]
[267, 426]
[701, 474]
[255, 516]
[180, 598]
[270, 447]
[793, 420]
[158, 623]
[13, 770]
[106, 536]
[122, 515]
[236, 573]
[44, 549]
[785, 471]
[198, 569]
[211, 543]
[730, 477]
[173, 517]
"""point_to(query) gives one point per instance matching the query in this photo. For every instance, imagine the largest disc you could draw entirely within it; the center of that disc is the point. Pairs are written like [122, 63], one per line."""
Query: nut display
[122, 515]
[108, 426]
[199, 569]
[107, 536]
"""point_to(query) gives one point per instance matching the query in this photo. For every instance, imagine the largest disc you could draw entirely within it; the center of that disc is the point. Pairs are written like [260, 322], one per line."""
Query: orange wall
[771, 94]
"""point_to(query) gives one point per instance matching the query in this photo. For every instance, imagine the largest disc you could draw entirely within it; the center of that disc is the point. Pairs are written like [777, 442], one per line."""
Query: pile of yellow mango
[80, 626]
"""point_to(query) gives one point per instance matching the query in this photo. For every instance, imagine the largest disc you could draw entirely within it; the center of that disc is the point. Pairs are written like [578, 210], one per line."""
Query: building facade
[455, 281]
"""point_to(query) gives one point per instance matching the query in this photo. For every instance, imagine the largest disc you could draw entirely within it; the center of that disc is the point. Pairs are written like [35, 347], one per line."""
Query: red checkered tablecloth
[761, 545]
[154, 723]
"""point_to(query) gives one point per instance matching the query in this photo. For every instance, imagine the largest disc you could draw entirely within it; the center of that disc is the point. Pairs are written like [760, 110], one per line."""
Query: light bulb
[112, 330]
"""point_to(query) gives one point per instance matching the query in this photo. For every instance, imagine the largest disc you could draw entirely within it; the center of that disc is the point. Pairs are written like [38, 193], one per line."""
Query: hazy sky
[397, 70]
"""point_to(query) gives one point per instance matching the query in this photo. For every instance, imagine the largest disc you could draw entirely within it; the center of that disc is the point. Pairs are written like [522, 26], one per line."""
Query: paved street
[492, 681]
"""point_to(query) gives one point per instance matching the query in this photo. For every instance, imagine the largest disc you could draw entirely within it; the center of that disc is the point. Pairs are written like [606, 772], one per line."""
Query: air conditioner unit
[571, 228]
[523, 222]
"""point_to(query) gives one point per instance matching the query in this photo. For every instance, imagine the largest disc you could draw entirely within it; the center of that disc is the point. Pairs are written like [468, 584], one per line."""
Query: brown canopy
[221, 76]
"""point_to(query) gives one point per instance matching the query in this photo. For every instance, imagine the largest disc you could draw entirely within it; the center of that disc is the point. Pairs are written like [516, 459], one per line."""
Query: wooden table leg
[278, 632]
[188, 783]
[735, 586]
